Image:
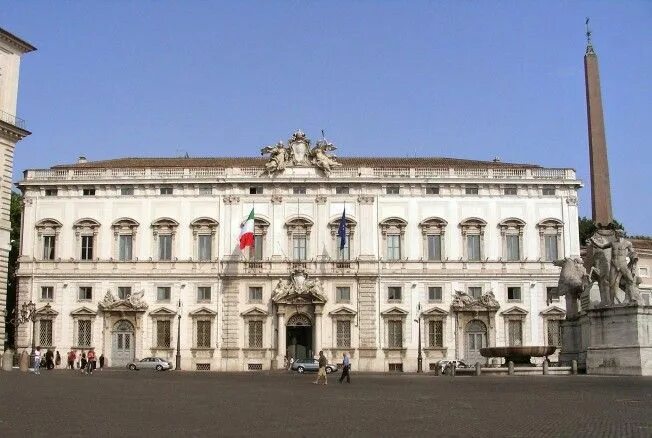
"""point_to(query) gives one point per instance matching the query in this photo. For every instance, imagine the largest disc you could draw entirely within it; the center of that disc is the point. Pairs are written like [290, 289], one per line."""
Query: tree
[588, 227]
[15, 213]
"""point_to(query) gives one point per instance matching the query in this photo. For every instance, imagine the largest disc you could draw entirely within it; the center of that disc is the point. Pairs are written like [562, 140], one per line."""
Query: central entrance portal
[299, 337]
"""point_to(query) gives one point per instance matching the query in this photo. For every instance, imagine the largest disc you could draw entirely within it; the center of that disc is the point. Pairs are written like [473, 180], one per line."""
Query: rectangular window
[126, 191]
[342, 294]
[343, 333]
[205, 189]
[393, 247]
[85, 293]
[51, 192]
[163, 293]
[203, 334]
[166, 191]
[345, 252]
[471, 190]
[256, 190]
[473, 247]
[125, 247]
[48, 247]
[163, 333]
[475, 292]
[548, 191]
[256, 294]
[552, 294]
[84, 333]
[643, 271]
[432, 190]
[299, 247]
[394, 293]
[88, 192]
[514, 293]
[554, 332]
[204, 293]
[205, 243]
[47, 293]
[515, 333]
[255, 334]
[512, 246]
[395, 334]
[393, 190]
[342, 190]
[45, 332]
[436, 333]
[165, 247]
[510, 190]
[124, 292]
[87, 247]
[299, 190]
[434, 247]
[434, 293]
[256, 253]
[550, 242]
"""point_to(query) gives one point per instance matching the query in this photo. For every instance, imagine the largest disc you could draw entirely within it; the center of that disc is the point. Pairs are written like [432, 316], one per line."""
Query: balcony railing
[12, 119]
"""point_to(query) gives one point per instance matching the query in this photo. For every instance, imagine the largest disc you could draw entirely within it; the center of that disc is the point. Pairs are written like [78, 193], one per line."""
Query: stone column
[277, 250]
[317, 346]
[282, 349]
[367, 226]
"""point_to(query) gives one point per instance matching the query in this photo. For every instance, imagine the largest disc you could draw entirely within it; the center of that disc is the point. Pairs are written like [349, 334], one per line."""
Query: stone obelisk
[600, 188]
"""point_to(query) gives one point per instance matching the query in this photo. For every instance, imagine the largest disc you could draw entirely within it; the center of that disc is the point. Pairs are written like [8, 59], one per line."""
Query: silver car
[150, 363]
[303, 365]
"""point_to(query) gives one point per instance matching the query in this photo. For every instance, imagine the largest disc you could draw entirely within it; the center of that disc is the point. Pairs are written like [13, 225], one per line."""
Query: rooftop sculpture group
[299, 153]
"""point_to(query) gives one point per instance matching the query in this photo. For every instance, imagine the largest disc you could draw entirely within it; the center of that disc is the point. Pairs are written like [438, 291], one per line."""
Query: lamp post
[419, 356]
[178, 364]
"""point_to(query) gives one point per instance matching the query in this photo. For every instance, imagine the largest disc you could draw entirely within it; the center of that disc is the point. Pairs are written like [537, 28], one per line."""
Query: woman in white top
[37, 360]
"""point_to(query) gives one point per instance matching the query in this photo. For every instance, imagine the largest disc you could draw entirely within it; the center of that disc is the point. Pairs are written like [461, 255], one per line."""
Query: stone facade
[420, 232]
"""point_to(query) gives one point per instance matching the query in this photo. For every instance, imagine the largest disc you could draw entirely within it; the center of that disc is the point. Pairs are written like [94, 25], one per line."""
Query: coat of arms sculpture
[298, 153]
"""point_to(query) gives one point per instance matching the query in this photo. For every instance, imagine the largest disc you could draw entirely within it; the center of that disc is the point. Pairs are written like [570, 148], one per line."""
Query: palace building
[133, 256]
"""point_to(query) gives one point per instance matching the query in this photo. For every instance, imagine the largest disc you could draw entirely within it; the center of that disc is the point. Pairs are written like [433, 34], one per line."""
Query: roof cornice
[16, 42]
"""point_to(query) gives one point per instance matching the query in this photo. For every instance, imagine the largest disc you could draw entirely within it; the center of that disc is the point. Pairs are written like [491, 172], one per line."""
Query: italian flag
[247, 232]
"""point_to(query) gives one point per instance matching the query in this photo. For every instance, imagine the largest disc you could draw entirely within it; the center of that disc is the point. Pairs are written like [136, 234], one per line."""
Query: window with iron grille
[554, 332]
[436, 333]
[125, 242]
[203, 293]
[514, 293]
[255, 294]
[254, 366]
[49, 243]
[255, 334]
[515, 333]
[84, 333]
[165, 247]
[342, 294]
[124, 292]
[343, 333]
[395, 334]
[47, 293]
[163, 333]
[434, 293]
[85, 293]
[45, 332]
[163, 293]
[205, 243]
[87, 247]
[203, 334]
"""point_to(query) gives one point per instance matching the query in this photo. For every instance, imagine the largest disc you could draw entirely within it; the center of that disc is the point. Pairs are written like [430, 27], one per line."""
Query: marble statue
[464, 301]
[298, 153]
[277, 157]
[321, 157]
[299, 286]
[573, 280]
[622, 268]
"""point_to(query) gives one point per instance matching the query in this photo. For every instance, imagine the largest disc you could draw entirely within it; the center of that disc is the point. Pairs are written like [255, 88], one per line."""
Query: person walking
[57, 359]
[91, 361]
[72, 356]
[346, 366]
[102, 361]
[49, 359]
[37, 360]
[322, 369]
[83, 362]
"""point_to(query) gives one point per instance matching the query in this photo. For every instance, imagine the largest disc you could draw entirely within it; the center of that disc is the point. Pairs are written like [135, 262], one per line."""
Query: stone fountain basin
[518, 355]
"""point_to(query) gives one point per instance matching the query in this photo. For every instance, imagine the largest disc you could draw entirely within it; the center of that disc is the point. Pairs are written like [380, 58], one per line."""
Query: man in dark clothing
[49, 359]
[322, 369]
[346, 366]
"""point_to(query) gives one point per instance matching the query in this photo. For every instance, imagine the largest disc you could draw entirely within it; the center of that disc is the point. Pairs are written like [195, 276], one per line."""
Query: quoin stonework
[117, 253]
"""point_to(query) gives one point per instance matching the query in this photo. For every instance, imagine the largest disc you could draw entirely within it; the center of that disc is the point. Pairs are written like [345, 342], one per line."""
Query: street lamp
[419, 356]
[178, 367]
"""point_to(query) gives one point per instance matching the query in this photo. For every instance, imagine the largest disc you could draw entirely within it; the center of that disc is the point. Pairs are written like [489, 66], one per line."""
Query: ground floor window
[163, 333]
[84, 333]
[203, 334]
[554, 332]
[515, 333]
[395, 334]
[435, 333]
[45, 332]
[255, 334]
[343, 333]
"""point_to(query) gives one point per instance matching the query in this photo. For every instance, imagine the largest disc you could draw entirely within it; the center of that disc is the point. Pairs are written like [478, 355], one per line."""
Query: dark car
[304, 365]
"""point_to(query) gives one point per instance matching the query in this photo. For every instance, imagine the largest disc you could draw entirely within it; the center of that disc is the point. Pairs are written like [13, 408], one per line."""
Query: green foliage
[588, 227]
[15, 213]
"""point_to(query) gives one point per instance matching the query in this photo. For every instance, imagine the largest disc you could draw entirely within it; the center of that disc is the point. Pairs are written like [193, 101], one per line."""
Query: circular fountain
[519, 355]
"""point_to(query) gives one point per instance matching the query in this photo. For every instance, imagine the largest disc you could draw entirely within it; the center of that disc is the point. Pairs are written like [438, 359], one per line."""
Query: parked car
[444, 364]
[150, 363]
[304, 365]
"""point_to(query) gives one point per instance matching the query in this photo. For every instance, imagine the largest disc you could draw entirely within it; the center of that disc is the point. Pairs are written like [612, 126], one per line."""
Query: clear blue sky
[462, 79]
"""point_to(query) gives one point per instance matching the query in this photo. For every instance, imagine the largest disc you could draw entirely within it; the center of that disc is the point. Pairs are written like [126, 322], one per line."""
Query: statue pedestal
[618, 340]
[573, 343]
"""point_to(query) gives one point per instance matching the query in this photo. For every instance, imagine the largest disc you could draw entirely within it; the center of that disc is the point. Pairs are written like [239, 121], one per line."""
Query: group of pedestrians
[322, 376]
[84, 362]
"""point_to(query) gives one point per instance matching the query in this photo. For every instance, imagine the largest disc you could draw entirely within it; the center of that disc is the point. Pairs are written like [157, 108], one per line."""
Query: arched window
[124, 238]
[299, 237]
[165, 230]
[47, 231]
[511, 234]
[203, 236]
[550, 238]
[393, 231]
[433, 230]
[334, 226]
[86, 232]
[473, 238]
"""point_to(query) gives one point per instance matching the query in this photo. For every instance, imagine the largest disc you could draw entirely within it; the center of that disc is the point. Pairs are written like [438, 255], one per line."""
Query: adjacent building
[133, 255]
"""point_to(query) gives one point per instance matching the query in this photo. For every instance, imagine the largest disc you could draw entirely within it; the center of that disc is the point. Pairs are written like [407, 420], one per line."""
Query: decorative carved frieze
[277, 199]
[298, 153]
[365, 199]
[231, 199]
[320, 199]
[466, 303]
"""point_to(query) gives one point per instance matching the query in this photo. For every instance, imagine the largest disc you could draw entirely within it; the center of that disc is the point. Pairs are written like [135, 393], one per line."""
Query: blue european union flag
[341, 231]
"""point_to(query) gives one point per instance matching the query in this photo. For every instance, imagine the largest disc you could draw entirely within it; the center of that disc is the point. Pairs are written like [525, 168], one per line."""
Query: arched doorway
[475, 336]
[123, 347]
[299, 336]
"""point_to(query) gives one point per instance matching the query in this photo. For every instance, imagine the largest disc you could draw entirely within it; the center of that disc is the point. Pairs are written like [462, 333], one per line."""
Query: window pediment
[299, 225]
[553, 311]
[163, 312]
[48, 226]
[434, 312]
[125, 225]
[394, 311]
[334, 225]
[473, 224]
[165, 226]
[46, 312]
[393, 225]
[550, 225]
[83, 311]
[203, 311]
[511, 224]
[515, 312]
[254, 312]
[433, 225]
[343, 311]
[204, 224]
